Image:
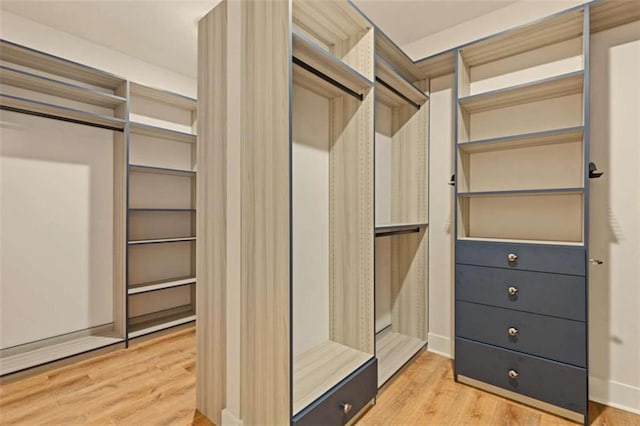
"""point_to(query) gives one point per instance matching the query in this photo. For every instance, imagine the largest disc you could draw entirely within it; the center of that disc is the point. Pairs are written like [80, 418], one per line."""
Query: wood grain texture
[211, 181]
[265, 264]
[393, 351]
[153, 383]
[390, 52]
[436, 65]
[351, 213]
[387, 73]
[120, 205]
[320, 368]
[612, 13]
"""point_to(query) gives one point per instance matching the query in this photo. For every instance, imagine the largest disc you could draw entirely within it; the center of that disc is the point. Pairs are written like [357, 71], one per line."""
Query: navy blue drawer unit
[557, 259]
[549, 337]
[344, 401]
[549, 381]
[556, 295]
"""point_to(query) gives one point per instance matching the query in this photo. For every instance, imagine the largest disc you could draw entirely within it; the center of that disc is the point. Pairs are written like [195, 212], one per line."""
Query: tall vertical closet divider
[151, 230]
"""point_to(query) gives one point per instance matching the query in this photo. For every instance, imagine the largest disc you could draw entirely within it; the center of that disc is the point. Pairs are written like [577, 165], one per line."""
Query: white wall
[517, 14]
[615, 205]
[37, 36]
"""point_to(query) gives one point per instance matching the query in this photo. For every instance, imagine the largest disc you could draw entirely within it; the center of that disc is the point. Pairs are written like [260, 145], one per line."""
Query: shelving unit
[401, 214]
[162, 214]
[84, 110]
[521, 197]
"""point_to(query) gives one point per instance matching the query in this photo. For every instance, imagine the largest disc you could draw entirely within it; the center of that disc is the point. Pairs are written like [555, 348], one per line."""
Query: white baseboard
[229, 419]
[615, 394]
[440, 345]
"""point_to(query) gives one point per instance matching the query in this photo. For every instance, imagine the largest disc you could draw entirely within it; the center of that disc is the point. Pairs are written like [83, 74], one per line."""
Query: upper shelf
[547, 137]
[318, 66]
[43, 109]
[163, 96]
[24, 56]
[160, 132]
[563, 85]
[547, 31]
[607, 14]
[522, 192]
[26, 80]
[393, 89]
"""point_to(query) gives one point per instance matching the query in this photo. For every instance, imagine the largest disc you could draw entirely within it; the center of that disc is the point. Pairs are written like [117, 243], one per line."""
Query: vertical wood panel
[120, 185]
[265, 235]
[211, 216]
[351, 213]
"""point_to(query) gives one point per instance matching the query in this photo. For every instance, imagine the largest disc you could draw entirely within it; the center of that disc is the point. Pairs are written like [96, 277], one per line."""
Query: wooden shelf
[563, 85]
[163, 96]
[42, 109]
[522, 241]
[157, 321]
[25, 80]
[160, 285]
[320, 368]
[151, 210]
[161, 241]
[390, 52]
[436, 65]
[612, 13]
[544, 32]
[54, 352]
[392, 89]
[399, 228]
[326, 64]
[394, 350]
[548, 137]
[24, 56]
[520, 192]
[138, 168]
[159, 132]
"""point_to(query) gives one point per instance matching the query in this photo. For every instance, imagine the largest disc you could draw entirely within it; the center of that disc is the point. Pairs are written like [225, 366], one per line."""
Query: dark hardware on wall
[593, 171]
[452, 181]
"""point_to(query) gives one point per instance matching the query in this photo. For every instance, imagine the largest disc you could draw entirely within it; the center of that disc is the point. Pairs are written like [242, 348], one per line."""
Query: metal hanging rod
[65, 119]
[328, 79]
[388, 231]
[394, 90]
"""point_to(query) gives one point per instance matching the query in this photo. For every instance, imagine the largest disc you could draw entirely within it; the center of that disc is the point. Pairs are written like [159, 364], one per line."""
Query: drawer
[530, 257]
[357, 390]
[549, 381]
[549, 337]
[558, 295]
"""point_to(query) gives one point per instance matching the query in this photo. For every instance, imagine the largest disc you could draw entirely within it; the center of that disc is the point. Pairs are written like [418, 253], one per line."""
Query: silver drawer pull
[346, 407]
[513, 291]
[513, 331]
[513, 374]
[512, 257]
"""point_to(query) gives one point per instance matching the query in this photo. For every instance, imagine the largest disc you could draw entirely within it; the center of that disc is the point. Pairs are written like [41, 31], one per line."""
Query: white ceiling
[164, 33]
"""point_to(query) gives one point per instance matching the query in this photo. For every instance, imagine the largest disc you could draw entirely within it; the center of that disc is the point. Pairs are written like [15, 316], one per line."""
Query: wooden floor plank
[153, 383]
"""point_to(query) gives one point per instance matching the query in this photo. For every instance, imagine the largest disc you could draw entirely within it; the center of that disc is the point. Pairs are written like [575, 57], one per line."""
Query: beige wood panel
[265, 95]
[391, 53]
[436, 65]
[532, 167]
[163, 96]
[351, 221]
[357, 51]
[549, 217]
[120, 185]
[409, 283]
[153, 262]
[567, 84]
[538, 34]
[555, 136]
[612, 13]
[393, 351]
[386, 72]
[550, 114]
[409, 164]
[320, 368]
[211, 258]
[162, 300]
[330, 21]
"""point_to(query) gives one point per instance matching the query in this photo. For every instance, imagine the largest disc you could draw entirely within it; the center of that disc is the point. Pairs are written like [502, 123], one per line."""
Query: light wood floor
[152, 383]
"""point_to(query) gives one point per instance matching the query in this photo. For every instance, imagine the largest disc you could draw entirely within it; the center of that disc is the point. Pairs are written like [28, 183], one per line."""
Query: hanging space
[401, 245]
[62, 208]
[161, 216]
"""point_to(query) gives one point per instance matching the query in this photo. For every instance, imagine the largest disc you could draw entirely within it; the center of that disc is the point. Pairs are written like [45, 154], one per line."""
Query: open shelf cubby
[162, 216]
